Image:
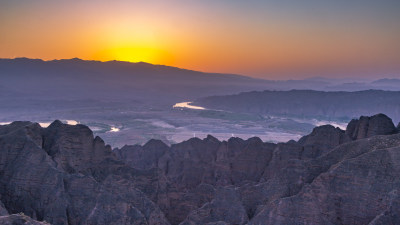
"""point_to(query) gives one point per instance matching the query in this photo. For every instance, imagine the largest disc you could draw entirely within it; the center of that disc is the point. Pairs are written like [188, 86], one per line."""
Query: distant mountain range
[131, 95]
[309, 104]
[80, 79]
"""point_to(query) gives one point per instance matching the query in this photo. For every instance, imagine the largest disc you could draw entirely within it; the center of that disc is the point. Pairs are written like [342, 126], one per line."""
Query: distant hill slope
[82, 79]
[76, 78]
[309, 104]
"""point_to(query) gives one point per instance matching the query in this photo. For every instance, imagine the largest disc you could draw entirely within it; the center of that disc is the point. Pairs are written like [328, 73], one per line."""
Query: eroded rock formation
[366, 126]
[64, 175]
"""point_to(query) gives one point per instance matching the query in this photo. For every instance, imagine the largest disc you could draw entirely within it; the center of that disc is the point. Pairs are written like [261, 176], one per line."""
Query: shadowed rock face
[63, 175]
[226, 206]
[20, 219]
[321, 140]
[366, 127]
[359, 186]
[3, 210]
[143, 157]
[264, 173]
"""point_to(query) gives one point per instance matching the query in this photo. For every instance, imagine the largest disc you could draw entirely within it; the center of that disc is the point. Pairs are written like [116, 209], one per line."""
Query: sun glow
[260, 38]
[133, 41]
[141, 54]
[136, 54]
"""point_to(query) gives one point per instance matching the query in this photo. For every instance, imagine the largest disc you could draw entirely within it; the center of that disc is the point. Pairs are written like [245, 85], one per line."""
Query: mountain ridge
[119, 63]
[314, 103]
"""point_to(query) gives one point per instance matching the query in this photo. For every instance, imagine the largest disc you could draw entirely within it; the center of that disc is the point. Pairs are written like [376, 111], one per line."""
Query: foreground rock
[356, 183]
[268, 175]
[64, 175]
[19, 219]
[366, 127]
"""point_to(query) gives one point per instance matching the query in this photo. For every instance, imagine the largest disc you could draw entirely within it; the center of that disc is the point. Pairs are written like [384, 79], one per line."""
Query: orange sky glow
[271, 40]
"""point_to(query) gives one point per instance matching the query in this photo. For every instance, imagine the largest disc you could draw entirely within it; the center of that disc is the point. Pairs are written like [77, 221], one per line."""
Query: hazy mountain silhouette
[75, 78]
[81, 79]
[309, 104]
[138, 97]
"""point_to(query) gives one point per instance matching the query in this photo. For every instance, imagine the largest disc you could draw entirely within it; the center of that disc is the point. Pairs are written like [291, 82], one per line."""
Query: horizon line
[199, 71]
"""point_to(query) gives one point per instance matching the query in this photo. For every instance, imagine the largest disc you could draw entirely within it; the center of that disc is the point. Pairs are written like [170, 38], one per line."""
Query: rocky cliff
[366, 126]
[64, 175]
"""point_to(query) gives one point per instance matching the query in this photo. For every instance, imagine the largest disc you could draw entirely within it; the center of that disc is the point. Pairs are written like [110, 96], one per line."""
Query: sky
[273, 39]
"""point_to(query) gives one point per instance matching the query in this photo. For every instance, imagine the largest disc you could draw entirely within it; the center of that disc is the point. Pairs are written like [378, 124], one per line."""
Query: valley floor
[120, 123]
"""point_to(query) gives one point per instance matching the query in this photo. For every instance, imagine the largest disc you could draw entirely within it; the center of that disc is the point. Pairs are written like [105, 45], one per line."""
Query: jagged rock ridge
[64, 175]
